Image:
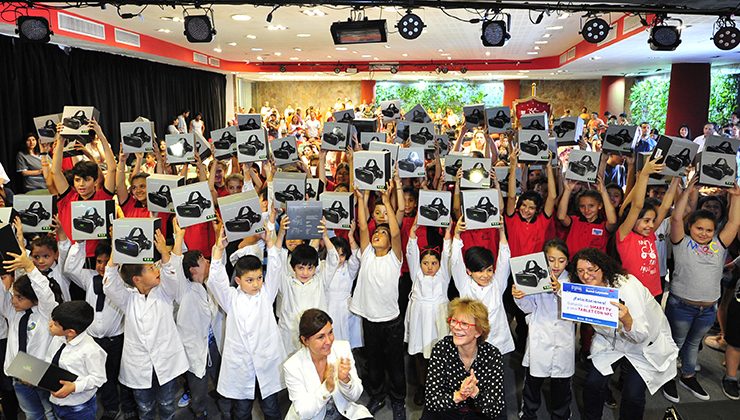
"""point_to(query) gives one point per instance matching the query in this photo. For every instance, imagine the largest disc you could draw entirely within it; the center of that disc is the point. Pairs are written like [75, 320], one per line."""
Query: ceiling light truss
[726, 35]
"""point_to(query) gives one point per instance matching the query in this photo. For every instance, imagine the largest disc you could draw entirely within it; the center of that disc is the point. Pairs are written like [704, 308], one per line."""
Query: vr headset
[289, 194]
[619, 138]
[225, 142]
[531, 275]
[534, 146]
[251, 124]
[48, 130]
[404, 132]
[137, 139]
[481, 211]
[724, 147]
[179, 149]
[89, 221]
[410, 162]
[79, 119]
[419, 116]
[251, 146]
[336, 212]
[562, 128]
[504, 184]
[346, 117]
[475, 117]
[477, 168]
[452, 169]
[133, 243]
[162, 197]
[194, 206]
[243, 221]
[284, 151]
[534, 124]
[334, 137]
[499, 120]
[434, 210]
[391, 111]
[369, 173]
[422, 137]
[582, 166]
[34, 214]
[676, 162]
[717, 170]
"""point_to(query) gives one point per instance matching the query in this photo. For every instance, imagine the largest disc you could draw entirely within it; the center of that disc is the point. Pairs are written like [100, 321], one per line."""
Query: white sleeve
[353, 263]
[307, 403]
[173, 274]
[95, 375]
[457, 267]
[257, 249]
[527, 304]
[74, 265]
[40, 285]
[503, 268]
[274, 277]
[412, 257]
[218, 285]
[114, 288]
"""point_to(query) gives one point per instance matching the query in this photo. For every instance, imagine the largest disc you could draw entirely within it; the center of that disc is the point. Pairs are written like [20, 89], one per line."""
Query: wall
[304, 94]
[561, 94]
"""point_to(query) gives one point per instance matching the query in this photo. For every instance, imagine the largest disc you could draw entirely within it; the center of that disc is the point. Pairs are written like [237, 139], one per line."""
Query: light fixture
[303, 35]
[337, 70]
[313, 12]
[283, 69]
[241, 18]
[664, 37]
[341, 48]
[359, 32]
[166, 31]
[233, 44]
[554, 28]
[198, 28]
[394, 69]
[297, 49]
[532, 52]
[217, 49]
[595, 29]
[463, 70]
[33, 29]
[250, 36]
[277, 53]
[541, 42]
[256, 49]
[495, 32]
[442, 69]
[410, 26]
[726, 36]
[276, 27]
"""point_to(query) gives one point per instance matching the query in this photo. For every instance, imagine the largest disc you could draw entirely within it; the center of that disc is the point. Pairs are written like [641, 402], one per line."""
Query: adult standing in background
[182, 123]
[174, 124]
[197, 126]
[708, 131]
[28, 164]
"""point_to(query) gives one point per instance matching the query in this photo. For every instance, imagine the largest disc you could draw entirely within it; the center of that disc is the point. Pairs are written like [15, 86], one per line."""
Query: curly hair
[608, 265]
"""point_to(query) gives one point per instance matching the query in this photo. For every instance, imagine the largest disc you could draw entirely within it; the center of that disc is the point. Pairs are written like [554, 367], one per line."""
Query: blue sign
[590, 304]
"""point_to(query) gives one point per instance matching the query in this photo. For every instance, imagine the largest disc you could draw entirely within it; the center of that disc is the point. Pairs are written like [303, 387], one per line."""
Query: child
[426, 319]
[153, 355]
[73, 350]
[589, 229]
[234, 183]
[253, 351]
[346, 325]
[551, 342]
[44, 253]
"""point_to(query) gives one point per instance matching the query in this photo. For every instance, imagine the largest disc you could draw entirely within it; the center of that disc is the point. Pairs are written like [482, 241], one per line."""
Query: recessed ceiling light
[366, 56]
[546, 35]
[313, 12]
[259, 57]
[276, 27]
[387, 46]
[541, 42]
[390, 9]
[445, 54]
[256, 49]
[564, 16]
[217, 49]
[341, 48]
[328, 56]
[532, 52]
[173, 19]
[294, 58]
[278, 53]
[241, 18]
[554, 28]
[375, 58]
[233, 44]
[523, 71]
[303, 35]
[297, 49]
[164, 30]
[250, 36]
[536, 47]
[405, 55]
[354, 52]
[440, 50]
[488, 53]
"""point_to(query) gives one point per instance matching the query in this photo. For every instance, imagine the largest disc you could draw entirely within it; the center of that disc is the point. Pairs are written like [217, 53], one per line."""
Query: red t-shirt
[583, 234]
[64, 208]
[527, 237]
[487, 238]
[640, 258]
[222, 191]
[201, 238]
[133, 208]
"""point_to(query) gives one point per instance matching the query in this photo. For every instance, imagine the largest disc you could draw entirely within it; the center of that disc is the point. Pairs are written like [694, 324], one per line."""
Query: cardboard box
[411, 162]
[224, 142]
[366, 138]
[284, 150]
[445, 144]
[451, 163]
[8, 215]
[403, 131]
[640, 160]
[474, 115]
[365, 125]
[422, 134]
[476, 172]
[418, 114]
[536, 121]
[314, 188]
[533, 145]
[568, 130]
[193, 204]
[481, 209]
[159, 192]
[498, 119]
[502, 173]
[180, 148]
[338, 209]
[76, 119]
[722, 145]
[531, 273]
[717, 169]
[305, 219]
[242, 215]
[372, 169]
[70, 148]
[620, 138]
[8, 243]
[335, 136]
[288, 186]
[389, 147]
[46, 127]
[202, 147]
[583, 165]
[391, 110]
[251, 146]
[91, 219]
[676, 153]
[435, 208]
[345, 116]
[137, 137]
[36, 211]
[133, 240]
[249, 122]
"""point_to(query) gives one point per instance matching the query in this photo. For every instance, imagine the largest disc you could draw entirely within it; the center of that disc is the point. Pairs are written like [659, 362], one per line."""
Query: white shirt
[662, 235]
[108, 322]
[150, 340]
[83, 357]
[376, 293]
[700, 141]
[491, 295]
[253, 349]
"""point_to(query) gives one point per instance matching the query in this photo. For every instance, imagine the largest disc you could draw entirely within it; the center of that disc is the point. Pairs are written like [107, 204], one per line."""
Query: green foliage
[724, 97]
[649, 98]
[440, 95]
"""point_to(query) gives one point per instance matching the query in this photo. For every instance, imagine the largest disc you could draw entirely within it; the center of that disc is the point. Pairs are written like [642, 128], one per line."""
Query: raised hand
[518, 294]
[329, 377]
[343, 370]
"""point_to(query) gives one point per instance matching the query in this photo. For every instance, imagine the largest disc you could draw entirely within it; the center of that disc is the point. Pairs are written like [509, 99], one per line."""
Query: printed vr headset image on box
[502, 173]
[393, 148]
[91, 219]
[136, 137]
[75, 120]
[335, 136]
[159, 192]
[481, 208]
[421, 134]
[476, 172]
[391, 110]
[498, 119]
[242, 215]
[314, 188]
[583, 165]
[248, 122]
[568, 130]
[535, 122]
[530, 273]
[417, 114]
[133, 240]
[224, 142]
[372, 169]
[619, 138]
[180, 147]
[35, 211]
[676, 153]
[411, 162]
[533, 145]
[284, 150]
[193, 204]
[251, 146]
[288, 186]
[717, 169]
[434, 208]
[338, 208]
[46, 127]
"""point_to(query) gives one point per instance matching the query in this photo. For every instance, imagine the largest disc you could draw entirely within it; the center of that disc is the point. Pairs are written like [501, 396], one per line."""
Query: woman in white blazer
[321, 376]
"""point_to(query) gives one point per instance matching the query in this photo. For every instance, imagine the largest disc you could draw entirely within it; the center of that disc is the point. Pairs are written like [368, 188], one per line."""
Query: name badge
[597, 232]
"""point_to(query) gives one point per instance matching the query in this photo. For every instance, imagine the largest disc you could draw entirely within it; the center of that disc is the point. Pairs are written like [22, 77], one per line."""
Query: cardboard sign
[474, 115]
[619, 138]
[180, 147]
[392, 148]
[568, 130]
[133, 240]
[193, 204]
[535, 121]
[481, 209]
[345, 116]
[46, 127]
[76, 119]
[305, 219]
[224, 142]
[498, 119]
[242, 215]
[35, 211]
[717, 169]
[589, 304]
[158, 192]
[335, 136]
[367, 138]
[534, 145]
[502, 173]
[583, 165]
[248, 122]
[676, 153]
[288, 186]
[531, 273]
[476, 172]
[284, 150]
[338, 209]
[91, 219]
[391, 110]
[372, 169]
[411, 162]
[137, 137]
[434, 208]
[417, 114]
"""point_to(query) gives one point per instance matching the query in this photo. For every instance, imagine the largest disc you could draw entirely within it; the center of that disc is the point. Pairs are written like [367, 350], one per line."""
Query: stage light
[394, 69]
[664, 37]
[198, 28]
[283, 69]
[595, 30]
[410, 26]
[337, 70]
[359, 32]
[495, 32]
[726, 36]
[33, 29]
[463, 70]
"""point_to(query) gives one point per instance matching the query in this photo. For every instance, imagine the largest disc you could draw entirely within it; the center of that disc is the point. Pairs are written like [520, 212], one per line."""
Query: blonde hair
[474, 308]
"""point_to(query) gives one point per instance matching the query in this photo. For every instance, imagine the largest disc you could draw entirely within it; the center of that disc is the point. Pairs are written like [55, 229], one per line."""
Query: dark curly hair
[611, 268]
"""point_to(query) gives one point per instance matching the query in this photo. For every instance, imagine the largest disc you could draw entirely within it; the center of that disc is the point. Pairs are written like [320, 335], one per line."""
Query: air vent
[200, 58]
[630, 23]
[128, 38]
[215, 62]
[75, 25]
[571, 53]
[563, 58]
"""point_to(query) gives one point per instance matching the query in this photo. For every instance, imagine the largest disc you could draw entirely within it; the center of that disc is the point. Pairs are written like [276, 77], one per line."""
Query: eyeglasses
[456, 322]
[590, 271]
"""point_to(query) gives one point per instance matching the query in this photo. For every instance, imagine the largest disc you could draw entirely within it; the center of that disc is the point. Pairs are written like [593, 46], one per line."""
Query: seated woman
[641, 344]
[466, 373]
[321, 377]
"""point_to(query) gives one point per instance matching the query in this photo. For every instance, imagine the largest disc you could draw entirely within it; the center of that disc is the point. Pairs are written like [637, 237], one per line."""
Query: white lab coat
[551, 343]
[253, 350]
[347, 326]
[308, 392]
[491, 295]
[648, 345]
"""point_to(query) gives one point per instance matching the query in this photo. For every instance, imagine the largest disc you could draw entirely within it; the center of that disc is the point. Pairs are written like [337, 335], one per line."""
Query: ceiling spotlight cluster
[34, 29]
[495, 32]
[595, 30]
[665, 37]
[726, 36]
[410, 26]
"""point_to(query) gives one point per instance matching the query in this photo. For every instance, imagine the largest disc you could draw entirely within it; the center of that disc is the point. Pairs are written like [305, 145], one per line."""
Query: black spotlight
[726, 36]
[495, 32]
[394, 69]
[463, 70]
[664, 37]
[410, 26]
[337, 70]
[445, 70]
[595, 30]
[198, 28]
[33, 29]
[283, 69]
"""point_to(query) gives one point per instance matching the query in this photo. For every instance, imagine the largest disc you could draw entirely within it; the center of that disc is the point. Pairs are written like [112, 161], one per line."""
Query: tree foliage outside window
[433, 95]
[724, 98]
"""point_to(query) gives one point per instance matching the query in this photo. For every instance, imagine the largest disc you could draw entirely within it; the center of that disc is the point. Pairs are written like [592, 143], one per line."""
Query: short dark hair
[140, 175]
[701, 215]
[103, 248]
[45, 240]
[190, 260]
[478, 259]
[304, 255]
[247, 263]
[129, 271]
[75, 315]
[22, 285]
[533, 196]
[558, 244]
[85, 169]
[591, 194]
[312, 321]
[608, 265]
[343, 244]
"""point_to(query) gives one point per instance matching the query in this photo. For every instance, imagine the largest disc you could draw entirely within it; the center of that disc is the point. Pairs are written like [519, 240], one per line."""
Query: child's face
[234, 186]
[429, 265]
[304, 273]
[100, 262]
[292, 243]
[250, 282]
[380, 214]
[21, 303]
[557, 261]
[85, 187]
[43, 257]
[589, 208]
[646, 224]
[55, 329]
[615, 196]
[138, 189]
[381, 239]
[528, 209]
[483, 277]
[342, 257]
[219, 177]
[702, 231]
[200, 272]
[410, 205]
[657, 193]
[149, 277]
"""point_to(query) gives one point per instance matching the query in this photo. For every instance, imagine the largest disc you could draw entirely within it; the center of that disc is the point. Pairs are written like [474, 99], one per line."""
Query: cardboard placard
[476, 172]
[305, 219]
[91, 219]
[568, 130]
[589, 304]
[403, 131]
[338, 209]
[722, 145]
[391, 110]
[411, 162]
[676, 153]
[583, 165]
[335, 136]
[133, 240]
[364, 125]
[445, 144]
[451, 163]
[366, 138]
[481, 209]
[224, 142]
[137, 137]
[284, 150]
[537, 121]
[422, 134]
[249, 122]
[474, 115]
[46, 127]
[620, 138]
[180, 148]
[35, 211]
[417, 114]
[251, 146]
[242, 215]
[159, 192]
[193, 204]
[392, 148]
[372, 169]
[288, 186]
[498, 119]
[434, 208]
[314, 188]
[502, 173]
[717, 169]
[533, 145]
[76, 119]
[531, 273]
[345, 116]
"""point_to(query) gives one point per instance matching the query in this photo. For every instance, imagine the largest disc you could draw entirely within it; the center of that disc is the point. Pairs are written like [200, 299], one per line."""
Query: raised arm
[110, 158]
[667, 203]
[611, 213]
[396, 244]
[511, 191]
[218, 279]
[456, 196]
[362, 197]
[552, 190]
[400, 201]
[563, 206]
[121, 189]
[638, 198]
[60, 181]
[733, 221]
[412, 252]
[677, 228]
